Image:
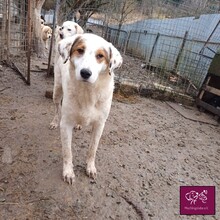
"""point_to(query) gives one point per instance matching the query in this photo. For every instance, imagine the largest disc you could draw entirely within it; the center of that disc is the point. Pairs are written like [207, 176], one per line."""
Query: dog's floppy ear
[115, 58]
[79, 30]
[65, 46]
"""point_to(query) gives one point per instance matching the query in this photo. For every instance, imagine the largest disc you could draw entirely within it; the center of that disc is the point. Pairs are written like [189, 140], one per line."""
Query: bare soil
[147, 151]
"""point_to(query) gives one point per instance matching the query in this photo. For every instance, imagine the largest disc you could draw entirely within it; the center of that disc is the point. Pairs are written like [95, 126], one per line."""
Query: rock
[2, 199]
[49, 94]
[143, 65]
[7, 155]
[150, 215]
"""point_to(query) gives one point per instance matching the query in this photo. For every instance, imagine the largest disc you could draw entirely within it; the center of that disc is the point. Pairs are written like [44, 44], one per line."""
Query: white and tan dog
[68, 29]
[46, 34]
[87, 64]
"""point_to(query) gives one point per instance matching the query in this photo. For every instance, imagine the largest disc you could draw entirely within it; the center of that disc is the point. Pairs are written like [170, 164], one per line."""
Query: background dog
[68, 29]
[87, 64]
[46, 34]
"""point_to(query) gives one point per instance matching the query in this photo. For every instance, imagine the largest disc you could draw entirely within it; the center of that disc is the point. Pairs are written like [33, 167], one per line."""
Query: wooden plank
[212, 90]
[203, 91]
[192, 114]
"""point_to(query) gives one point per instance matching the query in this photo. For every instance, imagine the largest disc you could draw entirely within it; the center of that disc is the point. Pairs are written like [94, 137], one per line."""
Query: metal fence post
[180, 51]
[127, 41]
[153, 48]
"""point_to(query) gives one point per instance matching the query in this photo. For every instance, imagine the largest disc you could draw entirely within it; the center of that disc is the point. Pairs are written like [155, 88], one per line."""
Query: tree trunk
[38, 44]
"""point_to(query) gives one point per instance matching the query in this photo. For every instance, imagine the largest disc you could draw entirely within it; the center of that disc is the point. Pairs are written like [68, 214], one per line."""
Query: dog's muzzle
[61, 36]
[85, 73]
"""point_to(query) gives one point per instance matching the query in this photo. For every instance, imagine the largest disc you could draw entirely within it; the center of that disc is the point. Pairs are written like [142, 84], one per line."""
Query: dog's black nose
[85, 73]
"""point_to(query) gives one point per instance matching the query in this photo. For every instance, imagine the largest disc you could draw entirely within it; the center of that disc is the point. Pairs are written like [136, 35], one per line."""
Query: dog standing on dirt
[68, 29]
[46, 34]
[87, 64]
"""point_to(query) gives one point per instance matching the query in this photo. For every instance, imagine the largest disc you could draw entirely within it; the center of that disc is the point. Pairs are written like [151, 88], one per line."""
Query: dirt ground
[147, 151]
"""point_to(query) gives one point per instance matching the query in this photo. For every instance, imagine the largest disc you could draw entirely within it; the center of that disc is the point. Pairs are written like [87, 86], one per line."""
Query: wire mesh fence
[174, 41]
[15, 36]
[166, 44]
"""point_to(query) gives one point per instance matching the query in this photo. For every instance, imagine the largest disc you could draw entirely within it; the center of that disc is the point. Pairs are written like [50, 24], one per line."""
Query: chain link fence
[15, 36]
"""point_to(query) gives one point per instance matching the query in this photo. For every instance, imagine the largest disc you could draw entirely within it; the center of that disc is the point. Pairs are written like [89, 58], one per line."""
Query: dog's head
[69, 28]
[90, 56]
[46, 33]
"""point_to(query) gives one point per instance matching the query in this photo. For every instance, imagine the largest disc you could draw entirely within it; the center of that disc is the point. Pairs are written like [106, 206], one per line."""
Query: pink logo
[193, 196]
[197, 200]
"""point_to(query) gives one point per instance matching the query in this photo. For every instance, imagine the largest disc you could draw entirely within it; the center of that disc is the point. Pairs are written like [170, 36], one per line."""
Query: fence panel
[181, 46]
[3, 16]
[16, 35]
[176, 40]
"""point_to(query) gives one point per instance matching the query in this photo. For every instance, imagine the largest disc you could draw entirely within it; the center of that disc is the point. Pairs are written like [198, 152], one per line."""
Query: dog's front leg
[97, 130]
[57, 97]
[66, 139]
[46, 44]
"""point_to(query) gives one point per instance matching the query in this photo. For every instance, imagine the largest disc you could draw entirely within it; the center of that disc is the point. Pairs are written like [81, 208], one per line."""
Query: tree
[37, 5]
[122, 10]
[86, 8]
[149, 6]
[49, 4]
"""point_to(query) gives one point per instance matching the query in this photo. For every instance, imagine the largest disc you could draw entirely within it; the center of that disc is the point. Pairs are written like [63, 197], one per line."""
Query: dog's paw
[68, 176]
[77, 127]
[91, 171]
[53, 125]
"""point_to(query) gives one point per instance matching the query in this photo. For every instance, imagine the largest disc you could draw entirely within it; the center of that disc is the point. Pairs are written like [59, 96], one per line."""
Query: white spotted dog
[68, 29]
[87, 65]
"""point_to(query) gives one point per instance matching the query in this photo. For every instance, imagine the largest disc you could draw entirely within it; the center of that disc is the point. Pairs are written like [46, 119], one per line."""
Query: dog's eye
[80, 51]
[69, 29]
[99, 56]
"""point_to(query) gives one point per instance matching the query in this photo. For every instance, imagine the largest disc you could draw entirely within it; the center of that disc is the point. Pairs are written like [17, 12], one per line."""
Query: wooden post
[8, 28]
[29, 24]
